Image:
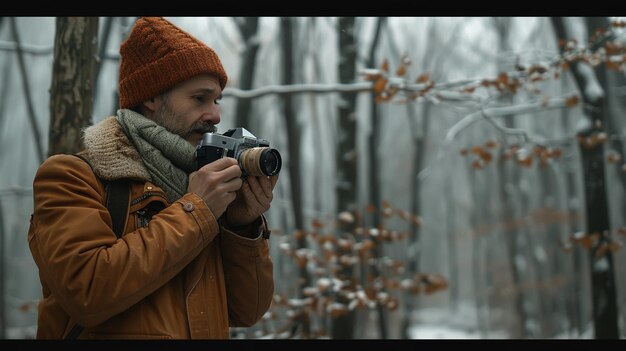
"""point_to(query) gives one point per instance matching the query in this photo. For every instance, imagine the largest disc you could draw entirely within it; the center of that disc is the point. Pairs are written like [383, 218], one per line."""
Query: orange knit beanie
[157, 55]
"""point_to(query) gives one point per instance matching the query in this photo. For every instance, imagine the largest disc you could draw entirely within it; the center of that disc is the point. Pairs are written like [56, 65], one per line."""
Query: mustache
[201, 127]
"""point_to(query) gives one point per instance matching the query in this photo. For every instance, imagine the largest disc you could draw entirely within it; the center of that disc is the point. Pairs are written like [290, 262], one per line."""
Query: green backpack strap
[118, 203]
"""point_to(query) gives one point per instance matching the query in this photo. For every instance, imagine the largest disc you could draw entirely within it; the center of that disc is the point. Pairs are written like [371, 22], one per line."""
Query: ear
[151, 106]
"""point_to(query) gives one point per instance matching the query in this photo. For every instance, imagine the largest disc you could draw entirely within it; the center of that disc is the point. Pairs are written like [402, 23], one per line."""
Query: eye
[199, 98]
[217, 101]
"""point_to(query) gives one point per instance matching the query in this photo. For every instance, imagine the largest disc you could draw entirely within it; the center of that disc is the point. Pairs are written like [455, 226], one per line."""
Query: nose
[212, 115]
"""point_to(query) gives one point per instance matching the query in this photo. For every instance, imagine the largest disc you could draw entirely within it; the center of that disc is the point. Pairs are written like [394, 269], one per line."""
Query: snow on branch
[296, 89]
[489, 113]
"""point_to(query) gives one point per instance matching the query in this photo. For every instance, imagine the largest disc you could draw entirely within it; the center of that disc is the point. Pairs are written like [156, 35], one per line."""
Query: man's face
[190, 109]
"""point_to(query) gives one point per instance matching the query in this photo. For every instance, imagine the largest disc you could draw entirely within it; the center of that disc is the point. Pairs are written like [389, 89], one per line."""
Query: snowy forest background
[443, 177]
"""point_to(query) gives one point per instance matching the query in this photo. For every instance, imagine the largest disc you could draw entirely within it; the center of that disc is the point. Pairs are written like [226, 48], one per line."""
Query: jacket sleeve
[92, 274]
[248, 270]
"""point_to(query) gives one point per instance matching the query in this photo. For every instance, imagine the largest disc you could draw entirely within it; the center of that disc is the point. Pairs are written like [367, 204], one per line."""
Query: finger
[262, 184]
[233, 185]
[260, 200]
[220, 164]
[230, 173]
[254, 188]
[274, 180]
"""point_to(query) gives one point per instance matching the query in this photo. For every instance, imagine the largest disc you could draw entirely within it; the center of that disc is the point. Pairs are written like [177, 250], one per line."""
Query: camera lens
[258, 161]
[270, 161]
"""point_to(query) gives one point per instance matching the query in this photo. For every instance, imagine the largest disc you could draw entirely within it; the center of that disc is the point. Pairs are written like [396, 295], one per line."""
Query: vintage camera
[254, 155]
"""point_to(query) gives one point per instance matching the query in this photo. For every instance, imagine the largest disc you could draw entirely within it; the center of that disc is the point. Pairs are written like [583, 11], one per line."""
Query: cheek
[185, 117]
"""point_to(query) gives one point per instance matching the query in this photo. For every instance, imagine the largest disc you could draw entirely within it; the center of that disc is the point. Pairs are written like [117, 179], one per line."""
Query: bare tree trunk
[482, 320]
[343, 326]
[511, 234]
[71, 100]
[574, 298]
[27, 92]
[317, 121]
[598, 225]
[374, 173]
[374, 137]
[502, 25]
[102, 53]
[248, 28]
[413, 247]
[286, 26]
[608, 79]
[291, 122]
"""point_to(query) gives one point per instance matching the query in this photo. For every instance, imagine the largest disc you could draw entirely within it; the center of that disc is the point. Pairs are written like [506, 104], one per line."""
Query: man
[194, 256]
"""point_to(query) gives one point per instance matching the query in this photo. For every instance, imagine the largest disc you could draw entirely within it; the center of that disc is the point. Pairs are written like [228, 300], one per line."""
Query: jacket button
[188, 207]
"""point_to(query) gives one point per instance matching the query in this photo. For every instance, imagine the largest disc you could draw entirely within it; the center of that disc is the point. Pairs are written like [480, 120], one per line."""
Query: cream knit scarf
[168, 157]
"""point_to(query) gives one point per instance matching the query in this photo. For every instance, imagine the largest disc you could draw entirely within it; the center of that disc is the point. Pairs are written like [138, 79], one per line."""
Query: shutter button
[188, 207]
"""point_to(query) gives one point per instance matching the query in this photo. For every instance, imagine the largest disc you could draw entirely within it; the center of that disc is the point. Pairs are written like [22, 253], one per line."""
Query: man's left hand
[253, 199]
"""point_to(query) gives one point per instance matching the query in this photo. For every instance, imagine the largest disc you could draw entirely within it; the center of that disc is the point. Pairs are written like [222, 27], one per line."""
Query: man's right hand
[217, 184]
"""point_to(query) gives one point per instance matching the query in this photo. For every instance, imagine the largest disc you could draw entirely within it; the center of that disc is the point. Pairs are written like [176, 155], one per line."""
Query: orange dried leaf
[614, 66]
[317, 223]
[492, 144]
[392, 284]
[401, 70]
[571, 101]
[486, 156]
[298, 234]
[615, 245]
[423, 78]
[618, 23]
[503, 79]
[525, 161]
[434, 282]
[512, 86]
[367, 245]
[385, 65]
[613, 157]
[379, 84]
[585, 242]
[601, 250]
[476, 150]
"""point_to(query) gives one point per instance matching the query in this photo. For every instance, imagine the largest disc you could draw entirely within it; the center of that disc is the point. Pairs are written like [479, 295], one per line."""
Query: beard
[173, 123]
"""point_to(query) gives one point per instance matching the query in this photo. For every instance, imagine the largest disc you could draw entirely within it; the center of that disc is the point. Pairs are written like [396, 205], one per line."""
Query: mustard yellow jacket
[178, 274]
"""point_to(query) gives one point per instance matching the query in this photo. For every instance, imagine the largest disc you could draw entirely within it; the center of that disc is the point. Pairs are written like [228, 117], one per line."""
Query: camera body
[254, 155]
